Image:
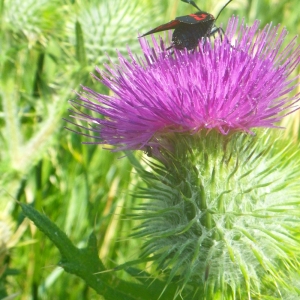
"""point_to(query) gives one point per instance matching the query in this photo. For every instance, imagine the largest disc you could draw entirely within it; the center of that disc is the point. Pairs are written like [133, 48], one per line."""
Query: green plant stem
[85, 263]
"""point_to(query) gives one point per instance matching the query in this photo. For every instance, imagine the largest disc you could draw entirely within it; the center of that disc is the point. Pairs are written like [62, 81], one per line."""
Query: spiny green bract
[107, 25]
[222, 216]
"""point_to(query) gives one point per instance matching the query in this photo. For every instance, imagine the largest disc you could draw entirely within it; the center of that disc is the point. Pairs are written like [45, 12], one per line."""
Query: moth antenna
[222, 9]
[192, 3]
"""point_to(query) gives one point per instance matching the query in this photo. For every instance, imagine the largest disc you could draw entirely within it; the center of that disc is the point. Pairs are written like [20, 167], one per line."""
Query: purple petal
[236, 84]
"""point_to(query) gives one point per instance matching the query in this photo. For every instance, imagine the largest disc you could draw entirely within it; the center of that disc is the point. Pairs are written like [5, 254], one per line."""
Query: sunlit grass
[82, 188]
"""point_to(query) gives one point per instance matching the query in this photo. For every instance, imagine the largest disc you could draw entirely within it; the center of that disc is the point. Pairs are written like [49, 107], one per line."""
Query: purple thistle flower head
[239, 82]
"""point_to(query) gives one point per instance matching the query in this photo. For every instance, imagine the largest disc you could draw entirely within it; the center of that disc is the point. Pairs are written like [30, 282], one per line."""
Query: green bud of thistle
[222, 216]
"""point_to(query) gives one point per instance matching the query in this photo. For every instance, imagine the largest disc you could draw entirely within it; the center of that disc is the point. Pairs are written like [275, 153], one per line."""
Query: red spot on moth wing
[195, 18]
[200, 17]
[170, 25]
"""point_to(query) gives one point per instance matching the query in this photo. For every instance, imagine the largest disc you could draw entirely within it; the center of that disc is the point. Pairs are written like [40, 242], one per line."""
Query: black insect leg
[170, 47]
[214, 30]
[221, 33]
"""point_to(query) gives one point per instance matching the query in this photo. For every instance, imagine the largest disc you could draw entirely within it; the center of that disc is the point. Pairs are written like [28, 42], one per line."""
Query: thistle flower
[239, 83]
[222, 216]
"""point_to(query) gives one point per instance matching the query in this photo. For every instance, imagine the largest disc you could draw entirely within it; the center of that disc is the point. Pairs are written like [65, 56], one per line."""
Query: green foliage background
[47, 49]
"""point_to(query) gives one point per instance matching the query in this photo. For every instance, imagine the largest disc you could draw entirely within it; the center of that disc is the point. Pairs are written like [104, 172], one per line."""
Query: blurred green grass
[47, 49]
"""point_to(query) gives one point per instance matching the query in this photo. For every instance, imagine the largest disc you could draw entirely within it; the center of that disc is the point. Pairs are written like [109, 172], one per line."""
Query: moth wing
[170, 25]
[195, 18]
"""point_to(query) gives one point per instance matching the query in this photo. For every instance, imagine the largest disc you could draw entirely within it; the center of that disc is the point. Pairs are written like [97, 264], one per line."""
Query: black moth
[191, 28]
